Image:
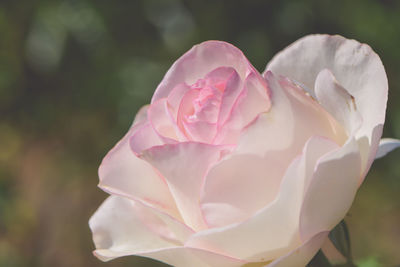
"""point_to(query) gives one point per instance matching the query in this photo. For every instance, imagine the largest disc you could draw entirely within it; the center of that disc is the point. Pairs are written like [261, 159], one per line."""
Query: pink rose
[227, 166]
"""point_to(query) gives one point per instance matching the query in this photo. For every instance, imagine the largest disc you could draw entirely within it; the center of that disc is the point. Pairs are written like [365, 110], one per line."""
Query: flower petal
[163, 123]
[303, 254]
[199, 61]
[355, 66]
[387, 145]
[252, 101]
[123, 173]
[234, 86]
[323, 207]
[200, 131]
[118, 230]
[141, 115]
[144, 137]
[337, 101]
[239, 186]
[293, 118]
[277, 224]
[193, 257]
[175, 97]
[184, 166]
[123, 227]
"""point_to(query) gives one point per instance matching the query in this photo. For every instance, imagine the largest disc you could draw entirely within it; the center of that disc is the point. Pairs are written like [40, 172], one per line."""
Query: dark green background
[74, 73]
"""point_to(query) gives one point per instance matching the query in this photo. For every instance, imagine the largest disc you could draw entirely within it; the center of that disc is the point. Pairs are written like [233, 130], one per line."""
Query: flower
[228, 167]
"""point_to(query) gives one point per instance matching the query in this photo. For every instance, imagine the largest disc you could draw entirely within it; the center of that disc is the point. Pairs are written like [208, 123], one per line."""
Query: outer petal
[200, 60]
[303, 254]
[118, 230]
[186, 256]
[141, 116]
[277, 224]
[123, 173]
[331, 190]
[332, 253]
[184, 166]
[386, 145]
[122, 227]
[355, 66]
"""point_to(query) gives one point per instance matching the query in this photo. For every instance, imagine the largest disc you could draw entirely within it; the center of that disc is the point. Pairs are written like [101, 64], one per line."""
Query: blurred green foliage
[74, 73]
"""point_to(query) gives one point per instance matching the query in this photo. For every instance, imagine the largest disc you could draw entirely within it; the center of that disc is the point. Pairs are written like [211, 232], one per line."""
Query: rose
[226, 167]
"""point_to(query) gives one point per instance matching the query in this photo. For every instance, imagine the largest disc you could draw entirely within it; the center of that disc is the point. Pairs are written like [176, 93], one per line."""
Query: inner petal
[205, 102]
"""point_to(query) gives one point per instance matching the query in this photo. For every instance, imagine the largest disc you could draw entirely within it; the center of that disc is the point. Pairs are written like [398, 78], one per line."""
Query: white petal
[387, 145]
[331, 190]
[239, 186]
[335, 99]
[122, 227]
[273, 230]
[118, 230]
[186, 256]
[293, 118]
[267, 234]
[303, 254]
[355, 66]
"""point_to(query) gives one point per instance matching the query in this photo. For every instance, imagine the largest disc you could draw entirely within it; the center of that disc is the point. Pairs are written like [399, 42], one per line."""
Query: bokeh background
[74, 73]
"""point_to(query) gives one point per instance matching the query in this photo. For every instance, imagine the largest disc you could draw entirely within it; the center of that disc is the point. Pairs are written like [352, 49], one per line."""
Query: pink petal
[252, 101]
[232, 90]
[186, 109]
[331, 190]
[219, 75]
[163, 123]
[144, 138]
[201, 131]
[175, 97]
[123, 173]
[184, 165]
[199, 61]
[355, 66]
[141, 116]
[303, 254]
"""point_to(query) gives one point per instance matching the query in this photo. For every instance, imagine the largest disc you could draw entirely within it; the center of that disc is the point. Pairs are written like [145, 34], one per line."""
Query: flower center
[207, 101]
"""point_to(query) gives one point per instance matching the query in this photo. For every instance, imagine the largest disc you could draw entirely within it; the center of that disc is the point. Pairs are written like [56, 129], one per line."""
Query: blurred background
[74, 73]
